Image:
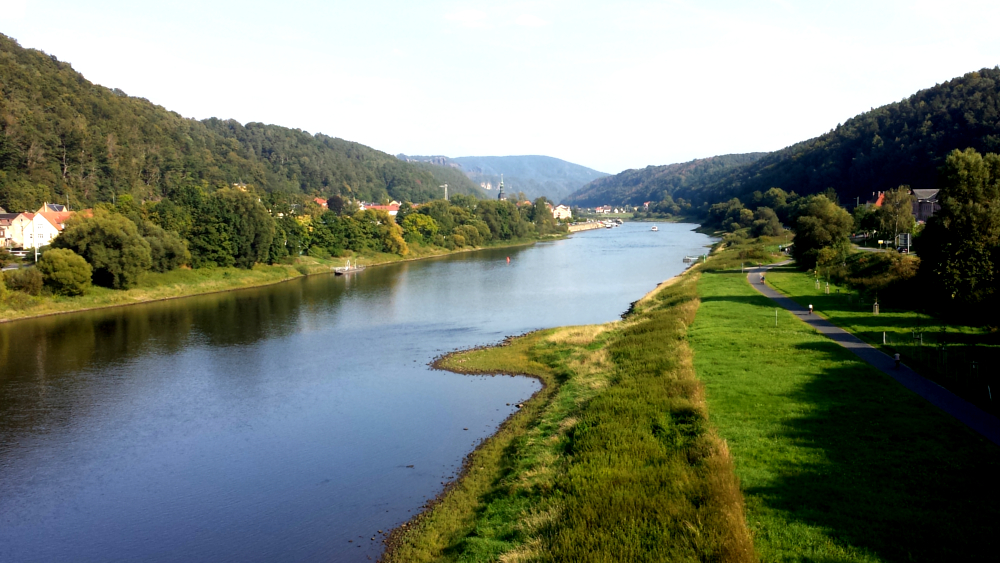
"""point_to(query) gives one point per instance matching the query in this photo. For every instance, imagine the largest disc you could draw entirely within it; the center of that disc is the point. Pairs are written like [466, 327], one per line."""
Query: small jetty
[348, 269]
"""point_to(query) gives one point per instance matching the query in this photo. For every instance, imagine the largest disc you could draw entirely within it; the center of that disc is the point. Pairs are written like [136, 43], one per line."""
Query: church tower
[500, 196]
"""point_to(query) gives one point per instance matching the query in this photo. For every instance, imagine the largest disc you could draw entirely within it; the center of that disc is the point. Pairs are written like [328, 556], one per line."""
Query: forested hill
[63, 136]
[653, 183]
[900, 143]
[532, 174]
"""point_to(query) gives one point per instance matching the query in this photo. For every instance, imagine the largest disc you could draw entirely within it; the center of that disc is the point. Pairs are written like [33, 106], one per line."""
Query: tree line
[201, 226]
[955, 272]
[64, 139]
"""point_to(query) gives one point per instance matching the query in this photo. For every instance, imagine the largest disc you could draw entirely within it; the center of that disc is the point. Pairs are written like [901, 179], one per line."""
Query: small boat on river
[348, 269]
[692, 258]
[655, 228]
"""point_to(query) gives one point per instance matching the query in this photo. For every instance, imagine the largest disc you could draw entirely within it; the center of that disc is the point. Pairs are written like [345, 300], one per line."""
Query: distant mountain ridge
[903, 143]
[535, 175]
[653, 183]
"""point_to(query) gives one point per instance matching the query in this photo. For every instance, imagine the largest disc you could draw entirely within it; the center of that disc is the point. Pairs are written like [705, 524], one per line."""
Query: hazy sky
[610, 85]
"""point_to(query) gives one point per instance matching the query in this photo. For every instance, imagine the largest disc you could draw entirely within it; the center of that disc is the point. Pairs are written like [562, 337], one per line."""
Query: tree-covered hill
[899, 143]
[653, 183]
[63, 137]
[536, 176]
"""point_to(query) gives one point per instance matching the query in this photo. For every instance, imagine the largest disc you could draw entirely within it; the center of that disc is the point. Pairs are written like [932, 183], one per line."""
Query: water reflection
[279, 422]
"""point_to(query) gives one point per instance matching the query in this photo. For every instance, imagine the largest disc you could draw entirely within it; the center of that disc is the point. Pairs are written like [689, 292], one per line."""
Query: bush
[65, 272]
[27, 280]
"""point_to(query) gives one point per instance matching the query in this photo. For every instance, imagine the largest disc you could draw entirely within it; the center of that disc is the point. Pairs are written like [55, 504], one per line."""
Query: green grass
[837, 462]
[612, 461]
[917, 336]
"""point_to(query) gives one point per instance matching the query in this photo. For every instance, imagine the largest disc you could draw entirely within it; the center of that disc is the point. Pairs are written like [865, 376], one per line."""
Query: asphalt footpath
[962, 410]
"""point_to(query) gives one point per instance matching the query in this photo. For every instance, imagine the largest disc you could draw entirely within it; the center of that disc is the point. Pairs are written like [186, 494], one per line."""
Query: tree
[542, 217]
[111, 244]
[866, 218]
[167, 249]
[233, 228]
[821, 224]
[65, 272]
[766, 223]
[383, 232]
[336, 204]
[419, 228]
[960, 246]
[896, 214]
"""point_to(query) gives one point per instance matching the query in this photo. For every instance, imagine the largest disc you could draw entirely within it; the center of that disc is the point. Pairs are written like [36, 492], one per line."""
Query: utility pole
[445, 186]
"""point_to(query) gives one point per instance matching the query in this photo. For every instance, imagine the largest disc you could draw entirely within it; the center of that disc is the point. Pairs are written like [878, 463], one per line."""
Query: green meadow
[960, 357]
[700, 429]
[837, 462]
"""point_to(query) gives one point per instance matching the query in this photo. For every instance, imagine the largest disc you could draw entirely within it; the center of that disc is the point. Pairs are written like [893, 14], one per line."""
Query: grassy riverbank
[836, 460]
[185, 282]
[960, 357]
[626, 455]
[613, 460]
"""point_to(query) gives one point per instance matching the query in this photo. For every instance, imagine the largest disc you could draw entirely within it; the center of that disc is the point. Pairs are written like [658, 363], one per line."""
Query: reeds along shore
[613, 460]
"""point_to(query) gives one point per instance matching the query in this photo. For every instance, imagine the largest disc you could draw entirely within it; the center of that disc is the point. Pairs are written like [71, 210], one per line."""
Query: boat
[655, 228]
[348, 269]
[692, 258]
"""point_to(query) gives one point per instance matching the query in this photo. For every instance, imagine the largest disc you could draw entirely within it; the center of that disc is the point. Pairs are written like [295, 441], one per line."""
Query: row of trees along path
[963, 411]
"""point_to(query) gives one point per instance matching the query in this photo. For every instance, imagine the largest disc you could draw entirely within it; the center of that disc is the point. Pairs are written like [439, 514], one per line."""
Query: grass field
[967, 364]
[837, 462]
[612, 461]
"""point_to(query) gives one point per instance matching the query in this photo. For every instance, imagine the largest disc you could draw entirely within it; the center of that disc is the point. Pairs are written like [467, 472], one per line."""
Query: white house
[562, 212]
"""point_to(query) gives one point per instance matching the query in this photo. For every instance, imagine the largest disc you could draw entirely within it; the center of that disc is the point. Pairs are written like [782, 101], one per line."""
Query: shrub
[27, 280]
[65, 272]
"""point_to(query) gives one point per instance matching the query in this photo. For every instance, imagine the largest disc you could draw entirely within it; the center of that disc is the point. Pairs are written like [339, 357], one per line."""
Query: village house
[321, 202]
[562, 212]
[391, 209]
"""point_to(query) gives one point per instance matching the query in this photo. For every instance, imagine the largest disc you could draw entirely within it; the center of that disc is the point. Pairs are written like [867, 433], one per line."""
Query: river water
[277, 424]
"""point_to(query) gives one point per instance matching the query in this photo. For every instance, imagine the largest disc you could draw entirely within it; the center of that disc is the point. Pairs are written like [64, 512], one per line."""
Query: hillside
[534, 175]
[653, 183]
[63, 137]
[899, 143]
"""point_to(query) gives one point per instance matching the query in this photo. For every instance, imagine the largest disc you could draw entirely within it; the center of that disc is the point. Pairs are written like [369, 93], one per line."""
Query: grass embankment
[837, 461]
[960, 357]
[613, 460]
[184, 282]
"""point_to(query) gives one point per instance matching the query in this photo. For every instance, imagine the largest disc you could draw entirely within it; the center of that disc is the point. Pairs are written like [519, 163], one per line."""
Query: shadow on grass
[897, 477]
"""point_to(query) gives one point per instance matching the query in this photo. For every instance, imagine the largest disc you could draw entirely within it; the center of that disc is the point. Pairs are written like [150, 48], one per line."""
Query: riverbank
[621, 411]
[794, 448]
[837, 461]
[185, 282]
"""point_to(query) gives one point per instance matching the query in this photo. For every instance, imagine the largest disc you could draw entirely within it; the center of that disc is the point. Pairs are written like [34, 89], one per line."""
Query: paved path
[964, 411]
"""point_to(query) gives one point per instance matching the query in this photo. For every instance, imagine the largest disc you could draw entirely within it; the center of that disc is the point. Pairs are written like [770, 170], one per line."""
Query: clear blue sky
[610, 85]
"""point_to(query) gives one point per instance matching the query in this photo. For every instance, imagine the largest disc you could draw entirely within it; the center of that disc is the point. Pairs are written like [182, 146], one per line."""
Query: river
[278, 423]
